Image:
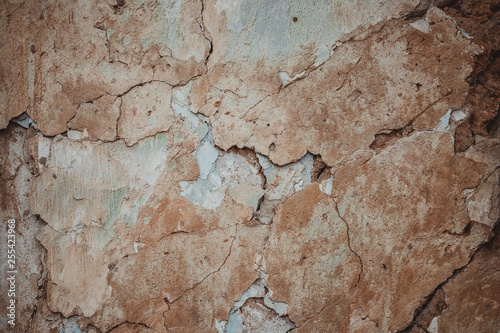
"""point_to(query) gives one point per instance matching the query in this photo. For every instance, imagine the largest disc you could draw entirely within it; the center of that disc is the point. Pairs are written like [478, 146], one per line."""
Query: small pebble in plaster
[458, 115]
[422, 25]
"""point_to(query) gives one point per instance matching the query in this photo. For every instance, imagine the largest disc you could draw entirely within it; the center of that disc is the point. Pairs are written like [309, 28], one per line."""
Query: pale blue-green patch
[109, 32]
[100, 237]
[267, 27]
[112, 204]
[76, 329]
[130, 215]
[126, 40]
[248, 195]
[126, 15]
[106, 68]
[202, 130]
[149, 148]
[145, 42]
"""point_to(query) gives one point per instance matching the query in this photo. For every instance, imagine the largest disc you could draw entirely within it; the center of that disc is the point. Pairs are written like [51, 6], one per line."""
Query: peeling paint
[433, 327]
[240, 320]
[422, 25]
[243, 166]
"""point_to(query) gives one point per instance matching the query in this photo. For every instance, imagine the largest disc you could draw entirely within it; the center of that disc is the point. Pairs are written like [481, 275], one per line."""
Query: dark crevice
[464, 233]
[483, 100]
[204, 31]
[127, 323]
[349, 243]
[118, 8]
[89, 326]
[42, 285]
[320, 170]
[494, 124]
[387, 138]
[428, 299]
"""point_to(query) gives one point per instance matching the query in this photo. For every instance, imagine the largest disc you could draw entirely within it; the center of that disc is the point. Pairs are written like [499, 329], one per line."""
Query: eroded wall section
[252, 166]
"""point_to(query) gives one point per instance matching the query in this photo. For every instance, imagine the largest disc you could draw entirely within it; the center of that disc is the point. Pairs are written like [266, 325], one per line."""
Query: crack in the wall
[475, 208]
[349, 242]
[171, 302]
[25, 121]
[287, 80]
[84, 135]
[427, 299]
[127, 323]
[41, 283]
[318, 314]
[204, 31]
[387, 137]
[295, 175]
[238, 319]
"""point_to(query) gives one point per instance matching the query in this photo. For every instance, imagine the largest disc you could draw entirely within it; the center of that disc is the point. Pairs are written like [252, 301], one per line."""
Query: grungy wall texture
[250, 165]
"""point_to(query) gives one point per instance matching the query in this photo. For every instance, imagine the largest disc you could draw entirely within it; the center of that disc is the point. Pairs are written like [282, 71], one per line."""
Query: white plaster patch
[78, 135]
[222, 173]
[286, 79]
[433, 327]
[324, 53]
[239, 320]
[70, 325]
[326, 186]
[422, 25]
[464, 33]
[281, 308]
[220, 326]
[76, 230]
[181, 107]
[206, 155]
[458, 115]
[25, 121]
[199, 194]
[282, 182]
[235, 169]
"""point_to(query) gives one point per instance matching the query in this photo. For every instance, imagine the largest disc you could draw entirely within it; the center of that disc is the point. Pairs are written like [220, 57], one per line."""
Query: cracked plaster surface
[252, 166]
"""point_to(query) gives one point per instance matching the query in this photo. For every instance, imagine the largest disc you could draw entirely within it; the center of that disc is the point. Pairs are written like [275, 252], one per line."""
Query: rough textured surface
[251, 166]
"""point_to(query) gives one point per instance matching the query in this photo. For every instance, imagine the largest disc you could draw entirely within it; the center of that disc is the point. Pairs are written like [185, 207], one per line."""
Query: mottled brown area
[98, 118]
[467, 302]
[389, 137]
[404, 208]
[471, 296]
[355, 95]
[464, 137]
[309, 255]
[481, 20]
[14, 77]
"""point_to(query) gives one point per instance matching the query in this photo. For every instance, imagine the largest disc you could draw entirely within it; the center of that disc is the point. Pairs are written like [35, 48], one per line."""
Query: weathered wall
[251, 166]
